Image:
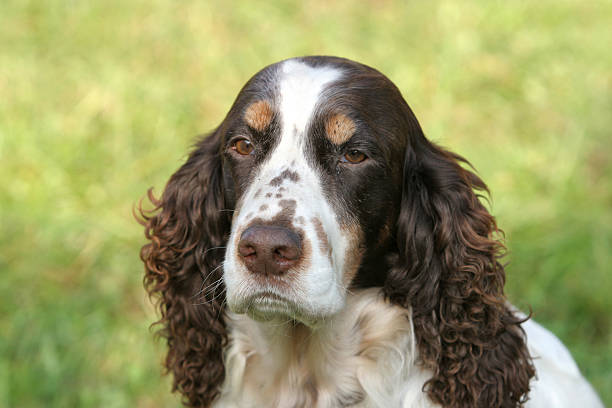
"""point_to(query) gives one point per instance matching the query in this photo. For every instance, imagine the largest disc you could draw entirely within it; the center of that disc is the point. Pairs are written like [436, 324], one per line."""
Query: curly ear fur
[448, 271]
[188, 230]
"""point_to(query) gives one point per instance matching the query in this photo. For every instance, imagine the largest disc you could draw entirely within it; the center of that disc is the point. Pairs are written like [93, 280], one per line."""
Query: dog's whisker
[210, 301]
[213, 248]
[204, 289]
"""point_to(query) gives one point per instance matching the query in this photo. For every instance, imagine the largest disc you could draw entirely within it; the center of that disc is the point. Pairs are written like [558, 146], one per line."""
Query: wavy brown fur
[187, 232]
[448, 270]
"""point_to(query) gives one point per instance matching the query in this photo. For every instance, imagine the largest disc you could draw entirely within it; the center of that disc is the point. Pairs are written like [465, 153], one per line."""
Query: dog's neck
[362, 356]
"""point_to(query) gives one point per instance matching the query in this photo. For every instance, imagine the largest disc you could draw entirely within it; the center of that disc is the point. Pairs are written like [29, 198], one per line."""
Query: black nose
[267, 249]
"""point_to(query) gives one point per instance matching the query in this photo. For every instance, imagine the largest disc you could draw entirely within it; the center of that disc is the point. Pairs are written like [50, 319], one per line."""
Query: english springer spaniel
[316, 250]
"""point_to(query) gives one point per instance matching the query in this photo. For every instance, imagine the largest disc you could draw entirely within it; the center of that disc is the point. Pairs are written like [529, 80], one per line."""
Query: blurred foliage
[101, 99]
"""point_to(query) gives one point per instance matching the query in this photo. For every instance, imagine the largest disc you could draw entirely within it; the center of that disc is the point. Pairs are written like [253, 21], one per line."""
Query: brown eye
[243, 147]
[354, 156]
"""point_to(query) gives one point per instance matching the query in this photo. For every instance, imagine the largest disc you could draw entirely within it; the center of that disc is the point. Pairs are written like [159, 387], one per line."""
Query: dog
[316, 250]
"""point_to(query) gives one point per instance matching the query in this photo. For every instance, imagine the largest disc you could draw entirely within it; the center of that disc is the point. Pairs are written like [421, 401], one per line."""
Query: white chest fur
[362, 357]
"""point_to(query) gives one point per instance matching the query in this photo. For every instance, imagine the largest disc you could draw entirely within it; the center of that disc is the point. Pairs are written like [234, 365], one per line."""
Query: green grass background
[101, 99]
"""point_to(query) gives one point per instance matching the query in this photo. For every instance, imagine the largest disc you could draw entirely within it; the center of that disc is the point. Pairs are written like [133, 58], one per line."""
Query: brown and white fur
[316, 250]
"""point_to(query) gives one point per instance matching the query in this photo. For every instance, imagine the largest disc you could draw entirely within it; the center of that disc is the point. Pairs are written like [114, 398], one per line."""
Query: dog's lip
[269, 304]
[266, 305]
[270, 298]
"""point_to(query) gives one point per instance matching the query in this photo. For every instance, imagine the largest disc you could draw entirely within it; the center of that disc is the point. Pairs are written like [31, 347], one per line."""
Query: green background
[100, 100]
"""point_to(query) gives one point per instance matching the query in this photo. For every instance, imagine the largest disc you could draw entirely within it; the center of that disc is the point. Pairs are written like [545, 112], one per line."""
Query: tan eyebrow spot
[259, 115]
[339, 128]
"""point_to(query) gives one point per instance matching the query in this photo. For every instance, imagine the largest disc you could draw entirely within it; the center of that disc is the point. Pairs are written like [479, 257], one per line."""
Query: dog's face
[313, 159]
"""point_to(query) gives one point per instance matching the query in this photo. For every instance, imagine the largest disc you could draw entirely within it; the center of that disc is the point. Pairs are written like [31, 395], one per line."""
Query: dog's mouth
[268, 306]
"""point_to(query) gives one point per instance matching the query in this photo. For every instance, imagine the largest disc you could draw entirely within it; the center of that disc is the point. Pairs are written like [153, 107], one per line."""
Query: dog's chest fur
[362, 357]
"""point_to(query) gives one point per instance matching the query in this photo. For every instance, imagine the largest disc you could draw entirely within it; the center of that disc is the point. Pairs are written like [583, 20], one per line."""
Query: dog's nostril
[246, 250]
[289, 253]
[269, 249]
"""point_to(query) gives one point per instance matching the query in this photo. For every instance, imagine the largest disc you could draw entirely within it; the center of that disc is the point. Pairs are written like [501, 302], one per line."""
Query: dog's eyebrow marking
[339, 128]
[286, 174]
[259, 115]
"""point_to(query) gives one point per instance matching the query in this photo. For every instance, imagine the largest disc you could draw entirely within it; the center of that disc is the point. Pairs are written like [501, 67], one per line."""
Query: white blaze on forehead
[300, 86]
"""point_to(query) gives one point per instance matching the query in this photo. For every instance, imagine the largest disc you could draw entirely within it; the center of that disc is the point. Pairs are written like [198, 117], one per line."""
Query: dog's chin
[270, 307]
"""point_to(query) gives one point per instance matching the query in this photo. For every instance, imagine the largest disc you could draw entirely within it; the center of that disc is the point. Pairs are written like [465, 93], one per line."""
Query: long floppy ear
[448, 271]
[188, 229]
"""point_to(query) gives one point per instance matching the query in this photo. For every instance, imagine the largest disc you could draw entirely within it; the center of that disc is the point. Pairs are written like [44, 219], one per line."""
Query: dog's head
[314, 151]
[318, 180]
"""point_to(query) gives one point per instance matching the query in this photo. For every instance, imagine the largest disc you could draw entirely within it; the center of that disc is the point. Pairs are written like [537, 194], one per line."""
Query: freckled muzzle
[287, 243]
